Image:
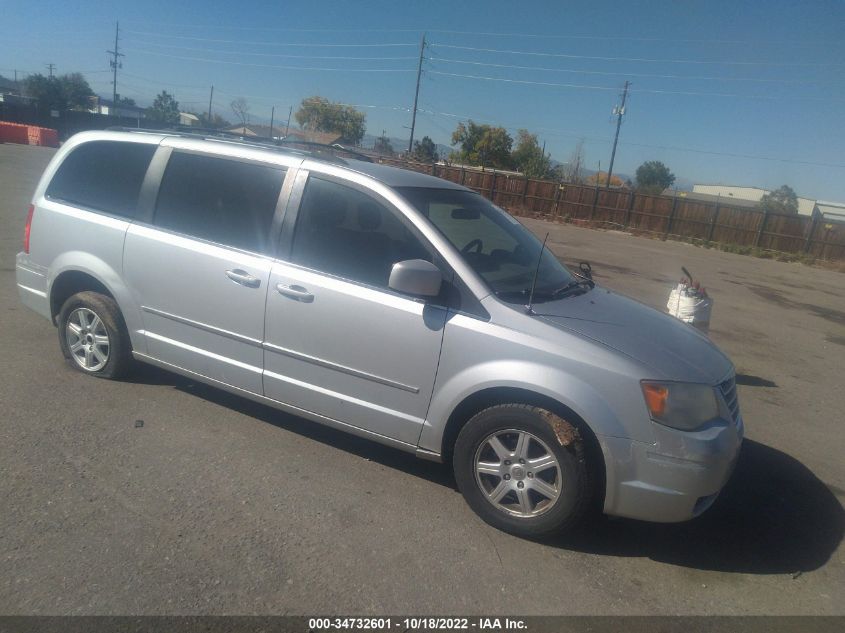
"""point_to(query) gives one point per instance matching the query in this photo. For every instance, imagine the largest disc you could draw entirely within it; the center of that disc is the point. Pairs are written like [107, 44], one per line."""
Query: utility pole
[416, 95]
[619, 111]
[210, 97]
[287, 127]
[272, 117]
[50, 67]
[115, 63]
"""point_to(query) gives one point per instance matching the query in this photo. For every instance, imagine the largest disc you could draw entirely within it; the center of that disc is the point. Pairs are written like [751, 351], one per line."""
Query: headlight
[681, 405]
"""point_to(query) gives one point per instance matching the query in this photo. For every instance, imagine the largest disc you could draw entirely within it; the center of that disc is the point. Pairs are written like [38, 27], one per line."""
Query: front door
[338, 342]
[200, 271]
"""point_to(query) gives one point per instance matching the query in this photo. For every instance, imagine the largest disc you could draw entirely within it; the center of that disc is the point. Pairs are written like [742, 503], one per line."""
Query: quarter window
[103, 175]
[224, 201]
[344, 232]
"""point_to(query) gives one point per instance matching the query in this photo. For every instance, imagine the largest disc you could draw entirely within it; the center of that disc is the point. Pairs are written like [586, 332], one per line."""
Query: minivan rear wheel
[93, 335]
[516, 473]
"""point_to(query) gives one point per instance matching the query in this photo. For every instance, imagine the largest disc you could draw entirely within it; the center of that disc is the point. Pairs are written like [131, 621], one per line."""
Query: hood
[673, 349]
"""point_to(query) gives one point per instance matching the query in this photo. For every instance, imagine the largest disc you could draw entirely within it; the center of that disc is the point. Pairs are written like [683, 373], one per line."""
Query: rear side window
[224, 201]
[103, 175]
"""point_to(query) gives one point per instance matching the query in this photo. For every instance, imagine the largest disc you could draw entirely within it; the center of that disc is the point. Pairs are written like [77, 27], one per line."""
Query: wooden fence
[662, 216]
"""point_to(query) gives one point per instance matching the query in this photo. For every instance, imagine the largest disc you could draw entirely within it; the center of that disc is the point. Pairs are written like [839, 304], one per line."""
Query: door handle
[243, 278]
[295, 292]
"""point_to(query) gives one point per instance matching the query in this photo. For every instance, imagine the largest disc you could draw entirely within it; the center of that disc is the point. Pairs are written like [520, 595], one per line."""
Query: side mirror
[416, 277]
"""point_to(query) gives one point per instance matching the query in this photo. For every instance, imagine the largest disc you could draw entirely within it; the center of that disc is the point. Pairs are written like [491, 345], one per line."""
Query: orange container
[14, 133]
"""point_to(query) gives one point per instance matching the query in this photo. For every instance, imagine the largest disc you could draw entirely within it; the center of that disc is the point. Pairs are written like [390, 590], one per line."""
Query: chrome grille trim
[729, 393]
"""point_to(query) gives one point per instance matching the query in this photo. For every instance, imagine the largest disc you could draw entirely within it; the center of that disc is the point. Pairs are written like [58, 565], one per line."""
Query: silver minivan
[385, 303]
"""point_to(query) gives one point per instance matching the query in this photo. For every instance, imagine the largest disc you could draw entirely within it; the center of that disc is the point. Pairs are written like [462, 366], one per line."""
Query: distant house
[834, 211]
[10, 93]
[99, 105]
[186, 118]
[708, 197]
[734, 193]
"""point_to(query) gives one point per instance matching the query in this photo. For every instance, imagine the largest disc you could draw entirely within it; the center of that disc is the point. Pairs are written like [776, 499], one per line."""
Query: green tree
[782, 200]
[46, 91]
[165, 108]
[529, 157]
[318, 114]
[126, 101]
[425, 151]
[483, 145]
[653, 177]
[69, 91]
[383, 146]
[77, 93]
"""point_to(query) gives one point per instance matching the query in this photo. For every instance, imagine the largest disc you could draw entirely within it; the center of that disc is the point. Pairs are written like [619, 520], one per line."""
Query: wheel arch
[492, 396]
[68, 283]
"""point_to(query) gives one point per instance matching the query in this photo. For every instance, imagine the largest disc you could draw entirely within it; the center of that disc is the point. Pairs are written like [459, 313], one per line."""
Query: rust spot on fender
[565, 433]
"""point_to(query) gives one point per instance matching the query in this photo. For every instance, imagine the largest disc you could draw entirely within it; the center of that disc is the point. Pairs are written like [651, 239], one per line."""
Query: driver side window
[344, 232]
[464, 233]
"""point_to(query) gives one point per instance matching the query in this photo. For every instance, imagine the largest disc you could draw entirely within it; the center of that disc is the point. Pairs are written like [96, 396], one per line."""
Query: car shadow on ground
[385, 455]
[774, 516]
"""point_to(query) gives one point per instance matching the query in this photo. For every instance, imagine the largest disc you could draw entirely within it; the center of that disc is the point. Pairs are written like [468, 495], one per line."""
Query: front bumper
[32, 285]
[676, 478]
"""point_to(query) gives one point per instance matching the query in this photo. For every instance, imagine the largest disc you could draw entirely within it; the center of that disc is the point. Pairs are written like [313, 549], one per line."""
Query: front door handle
[295, 292]
[243, 278]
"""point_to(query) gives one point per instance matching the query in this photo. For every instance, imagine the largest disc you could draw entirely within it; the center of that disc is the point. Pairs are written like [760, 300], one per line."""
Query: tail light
[28, 228]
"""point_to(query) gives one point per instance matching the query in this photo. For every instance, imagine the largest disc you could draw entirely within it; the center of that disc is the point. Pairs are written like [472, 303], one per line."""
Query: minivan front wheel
[516, 473]
[93, 337]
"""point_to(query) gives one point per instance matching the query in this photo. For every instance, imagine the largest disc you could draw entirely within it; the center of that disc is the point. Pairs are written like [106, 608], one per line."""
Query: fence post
[493, 188]
[595, 201]
[812, 231]
[463, 174]
[628, 210]
[524, 191]
[671, 216]
[713, 223]
[433, 169]
[557, 201]
[761, 229]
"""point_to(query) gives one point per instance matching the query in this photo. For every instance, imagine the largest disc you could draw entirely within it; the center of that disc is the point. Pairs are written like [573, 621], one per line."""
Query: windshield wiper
[569, 289]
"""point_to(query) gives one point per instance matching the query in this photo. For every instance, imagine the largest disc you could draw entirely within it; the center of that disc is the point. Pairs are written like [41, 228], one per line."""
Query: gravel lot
[221, 506]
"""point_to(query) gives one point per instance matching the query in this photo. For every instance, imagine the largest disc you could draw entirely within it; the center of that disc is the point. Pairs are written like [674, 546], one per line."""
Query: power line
[639, 90]
[613, 37]
[219, 41]
[636, 59]
[234, 63]
[217, 50]
[620, 74]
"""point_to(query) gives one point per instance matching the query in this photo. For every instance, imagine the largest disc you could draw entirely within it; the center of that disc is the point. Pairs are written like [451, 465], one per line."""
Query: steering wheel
[476, 243]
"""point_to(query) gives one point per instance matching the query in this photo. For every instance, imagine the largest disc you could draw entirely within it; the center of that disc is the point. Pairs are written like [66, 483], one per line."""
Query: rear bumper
[676, 478]
[32, 285]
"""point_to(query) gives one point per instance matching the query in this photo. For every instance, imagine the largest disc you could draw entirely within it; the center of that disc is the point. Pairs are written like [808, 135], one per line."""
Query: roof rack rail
[263, 141]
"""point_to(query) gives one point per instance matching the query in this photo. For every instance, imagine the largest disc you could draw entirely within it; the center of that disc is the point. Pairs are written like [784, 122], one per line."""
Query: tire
[94, 321]
[525, 507]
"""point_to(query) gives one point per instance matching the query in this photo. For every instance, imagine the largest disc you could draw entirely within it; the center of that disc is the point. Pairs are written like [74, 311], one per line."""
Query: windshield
[497, 247]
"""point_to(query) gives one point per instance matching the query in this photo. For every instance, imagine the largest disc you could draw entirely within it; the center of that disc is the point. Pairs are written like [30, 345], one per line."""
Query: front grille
[728, 389]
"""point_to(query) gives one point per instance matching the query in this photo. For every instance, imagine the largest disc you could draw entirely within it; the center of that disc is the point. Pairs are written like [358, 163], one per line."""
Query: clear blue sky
[761, 79]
